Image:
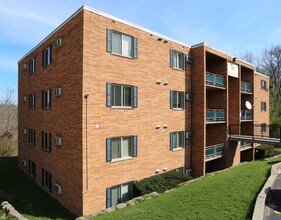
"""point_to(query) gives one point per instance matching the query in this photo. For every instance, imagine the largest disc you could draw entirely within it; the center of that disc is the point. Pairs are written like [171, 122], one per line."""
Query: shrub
[161, 182]
[263, 151]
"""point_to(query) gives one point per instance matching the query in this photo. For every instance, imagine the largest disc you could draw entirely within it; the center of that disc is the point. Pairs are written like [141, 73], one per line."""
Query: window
[32, 66]
[263, 127]
[177, 100]
[46, 98]
[47, 180]
[121, 95]
[263, 84]
[31, 101]
[177, 60]
[31, 136]
[263, 106]
[177, 140]
[32, 169]
[47, 56]
[47, 141]
[121, 148]
[118, 43]
[119, 194]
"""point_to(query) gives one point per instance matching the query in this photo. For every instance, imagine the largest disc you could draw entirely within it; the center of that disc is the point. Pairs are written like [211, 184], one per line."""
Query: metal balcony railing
[255, 133]
[246, 87]
[215, 115]
[245, 144]
[246, 115]
[214, 79]
[214, 150]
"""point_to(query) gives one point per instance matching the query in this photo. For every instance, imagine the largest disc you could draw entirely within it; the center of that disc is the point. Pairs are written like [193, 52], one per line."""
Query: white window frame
[122, 94]
[47, 56]
[46, 184]
[177, 61]
[47, 98]
[47, 141]
[121, 188]
[121, 148]
[32, 168]
[31, 101]
[122, 45]
[32, 67]
[31, 136]
[263, 106]
[177, 133]
[263, 85]
[176, 93]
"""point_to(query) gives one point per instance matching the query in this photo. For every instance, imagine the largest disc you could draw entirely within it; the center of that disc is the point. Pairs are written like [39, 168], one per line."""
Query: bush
[161, 182]
[263, 151]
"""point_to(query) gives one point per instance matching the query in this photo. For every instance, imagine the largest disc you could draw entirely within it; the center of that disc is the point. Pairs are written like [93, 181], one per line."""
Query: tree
[8, 123]
[271, 64]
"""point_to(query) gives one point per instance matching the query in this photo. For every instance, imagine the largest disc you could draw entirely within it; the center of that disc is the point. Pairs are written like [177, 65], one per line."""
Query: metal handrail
[246, 87]
[246, 115]
[214, 79]
[216, 149]
[213, 115]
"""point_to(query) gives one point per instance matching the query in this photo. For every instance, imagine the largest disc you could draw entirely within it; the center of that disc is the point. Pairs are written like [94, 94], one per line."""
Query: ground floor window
[47, 180]
[119, 194]
[32, 169]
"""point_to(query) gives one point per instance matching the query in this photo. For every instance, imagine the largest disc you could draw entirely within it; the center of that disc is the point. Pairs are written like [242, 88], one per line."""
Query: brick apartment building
[103, 103]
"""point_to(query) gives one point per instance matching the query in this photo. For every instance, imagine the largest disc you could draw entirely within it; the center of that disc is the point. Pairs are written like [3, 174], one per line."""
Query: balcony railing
[215, 115]
[246, 115]
[214, 151]
[245, 144]
[246, 87]
[214, 79]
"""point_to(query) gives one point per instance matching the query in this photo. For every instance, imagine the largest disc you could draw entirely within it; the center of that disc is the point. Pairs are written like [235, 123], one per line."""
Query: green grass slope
[229, 194]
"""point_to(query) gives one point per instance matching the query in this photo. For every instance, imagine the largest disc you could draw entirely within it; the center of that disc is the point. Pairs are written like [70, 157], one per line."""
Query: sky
[233, 27]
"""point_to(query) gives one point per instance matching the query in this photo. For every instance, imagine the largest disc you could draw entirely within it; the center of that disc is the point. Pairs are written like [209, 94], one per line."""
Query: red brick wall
[64, 116]
[153, 64]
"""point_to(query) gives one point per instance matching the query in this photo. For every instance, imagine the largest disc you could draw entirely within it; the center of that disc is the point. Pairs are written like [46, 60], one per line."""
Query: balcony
[246, 115]
[214, 80]
[214, 151]
[214, 116]
[246, 87]
[244, 145]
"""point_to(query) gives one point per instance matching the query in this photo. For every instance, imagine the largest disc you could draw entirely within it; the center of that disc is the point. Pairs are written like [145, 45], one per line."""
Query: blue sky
[231, 26]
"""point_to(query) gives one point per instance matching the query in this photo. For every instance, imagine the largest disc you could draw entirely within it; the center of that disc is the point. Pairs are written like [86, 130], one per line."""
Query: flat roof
[85, 7]
[261, 74]
[210, 46]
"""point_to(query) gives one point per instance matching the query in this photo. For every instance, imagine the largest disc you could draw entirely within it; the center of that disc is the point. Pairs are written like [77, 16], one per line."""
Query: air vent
[24, 66]
[24, 99]
[58, 91]
[189, 96]
[24, 163]
[58, 140]
[58, 42]
[188, 135]
[189, 59]
[58, 188]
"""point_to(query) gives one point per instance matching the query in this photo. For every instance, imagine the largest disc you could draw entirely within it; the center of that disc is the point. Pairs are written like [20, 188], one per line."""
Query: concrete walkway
[272, 210]
[268, 203]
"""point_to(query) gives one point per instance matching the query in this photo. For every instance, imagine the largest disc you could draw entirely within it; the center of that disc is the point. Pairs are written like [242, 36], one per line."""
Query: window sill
[121, 107]
[178, 109]
[48, 151]
[121, 159]
[178, 69]
[178, 149]
[120, 55]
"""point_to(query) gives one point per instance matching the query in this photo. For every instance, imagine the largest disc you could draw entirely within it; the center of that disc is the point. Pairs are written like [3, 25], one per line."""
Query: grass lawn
[229, 194]
[25, 195]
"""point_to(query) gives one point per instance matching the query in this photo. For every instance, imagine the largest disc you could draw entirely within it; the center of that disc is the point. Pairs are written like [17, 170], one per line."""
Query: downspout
[87, 166]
